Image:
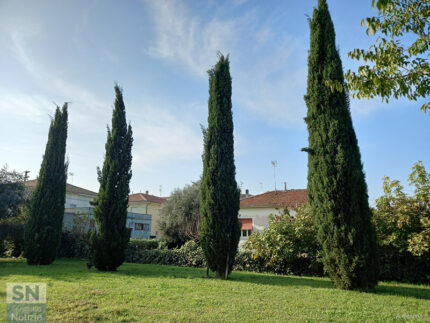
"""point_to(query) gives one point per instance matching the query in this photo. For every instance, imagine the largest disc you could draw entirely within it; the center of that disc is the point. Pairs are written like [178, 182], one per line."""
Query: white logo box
[25, 293]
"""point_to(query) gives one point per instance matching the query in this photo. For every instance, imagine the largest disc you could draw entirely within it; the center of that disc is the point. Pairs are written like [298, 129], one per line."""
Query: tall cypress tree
[336, 184]
[43, 230]
[219, 194]
[108, 243]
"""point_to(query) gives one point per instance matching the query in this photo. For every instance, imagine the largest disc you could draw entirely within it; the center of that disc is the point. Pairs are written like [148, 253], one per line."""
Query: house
[75, 196]
[78, 212]
[255, 210]
[145, 203]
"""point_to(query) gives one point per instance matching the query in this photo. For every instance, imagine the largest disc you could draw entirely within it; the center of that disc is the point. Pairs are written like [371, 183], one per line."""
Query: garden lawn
[146, 293]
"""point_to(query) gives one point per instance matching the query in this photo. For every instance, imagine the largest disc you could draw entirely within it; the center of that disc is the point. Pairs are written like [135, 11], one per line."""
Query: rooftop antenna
[161, 189]
[261, 186]
[26, 175]
[71, 175]
[274, 164]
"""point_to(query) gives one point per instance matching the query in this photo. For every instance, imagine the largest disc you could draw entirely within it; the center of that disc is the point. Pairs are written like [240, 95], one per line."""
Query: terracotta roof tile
[72, 189]
[141, 197]
[291, 198]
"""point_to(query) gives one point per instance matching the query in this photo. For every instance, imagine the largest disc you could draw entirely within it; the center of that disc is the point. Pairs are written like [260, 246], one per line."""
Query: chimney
[247, 192]
[285, 186]
[146, 192]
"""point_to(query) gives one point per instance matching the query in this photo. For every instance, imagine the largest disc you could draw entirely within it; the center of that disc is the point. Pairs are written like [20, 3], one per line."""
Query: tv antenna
[274, 164]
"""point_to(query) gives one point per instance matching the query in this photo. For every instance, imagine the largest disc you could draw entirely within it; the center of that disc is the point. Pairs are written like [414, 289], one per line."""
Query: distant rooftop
[289, 198]
[145, 197]
[71, 189]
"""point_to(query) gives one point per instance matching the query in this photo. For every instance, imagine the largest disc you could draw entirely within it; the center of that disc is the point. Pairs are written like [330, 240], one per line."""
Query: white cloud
[185, 37]
[159, 137]
[35, 107]
[267, 79]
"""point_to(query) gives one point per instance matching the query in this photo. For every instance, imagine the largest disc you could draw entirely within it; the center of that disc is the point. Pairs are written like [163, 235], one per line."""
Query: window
[141, 226]
[246, 227]
[138, 226]
[246, 233]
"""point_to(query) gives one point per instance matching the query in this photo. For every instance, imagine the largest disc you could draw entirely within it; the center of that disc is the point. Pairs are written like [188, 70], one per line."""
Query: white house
[255, 210]
[75, 196]
[78, 213]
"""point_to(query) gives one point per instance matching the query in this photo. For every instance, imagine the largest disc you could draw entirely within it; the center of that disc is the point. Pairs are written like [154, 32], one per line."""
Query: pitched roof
[71, 189]
[291, 198]
[141, 197]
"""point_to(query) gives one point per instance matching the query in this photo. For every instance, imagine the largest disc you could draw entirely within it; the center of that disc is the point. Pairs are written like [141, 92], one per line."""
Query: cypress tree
[336, 184]
[44, 227]
[219, 194]
[108, 243]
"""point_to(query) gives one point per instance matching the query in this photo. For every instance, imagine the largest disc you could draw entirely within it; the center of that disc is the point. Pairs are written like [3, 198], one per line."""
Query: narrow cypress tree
[336, 184]
[43, 230]
[108, 243]
[219, 194]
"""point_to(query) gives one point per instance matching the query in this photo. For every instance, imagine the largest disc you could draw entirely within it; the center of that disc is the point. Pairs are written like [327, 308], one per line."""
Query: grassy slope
[142, 293]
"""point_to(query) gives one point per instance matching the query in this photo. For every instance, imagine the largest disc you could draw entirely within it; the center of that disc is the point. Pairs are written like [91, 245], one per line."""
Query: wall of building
[152, 209]
[74, 200]
[82, 219]
[260, 218]
[142, 220]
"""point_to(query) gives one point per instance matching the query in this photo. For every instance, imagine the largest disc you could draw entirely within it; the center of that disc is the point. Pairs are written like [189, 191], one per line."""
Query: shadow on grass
[405, 291]
[72, 270]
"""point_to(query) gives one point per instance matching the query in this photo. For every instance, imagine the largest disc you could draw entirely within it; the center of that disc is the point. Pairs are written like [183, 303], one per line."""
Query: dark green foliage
[11, 239]
[219, 194]
[180, 216]
[110, 207]
[336, 185]
[74, 245]
[43, 230]
[11, 192]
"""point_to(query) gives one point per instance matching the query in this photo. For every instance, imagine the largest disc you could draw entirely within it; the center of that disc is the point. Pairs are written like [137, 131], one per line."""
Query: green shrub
[404, 267]
[137, 246]
[191, 255]
[288, 245]
[74, 245]
[143, 244]
[11, 239]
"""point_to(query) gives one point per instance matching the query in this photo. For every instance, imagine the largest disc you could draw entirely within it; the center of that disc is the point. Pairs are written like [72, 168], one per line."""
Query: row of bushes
[393, 266]
[75, 245]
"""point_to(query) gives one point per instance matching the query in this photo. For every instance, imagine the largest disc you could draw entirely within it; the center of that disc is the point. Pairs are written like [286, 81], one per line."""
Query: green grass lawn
[145, 293]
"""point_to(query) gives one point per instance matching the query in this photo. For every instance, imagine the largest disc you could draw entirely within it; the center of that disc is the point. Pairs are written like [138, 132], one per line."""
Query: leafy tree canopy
[402, 221]
[180, 215]
[12, 192]
[399, 57]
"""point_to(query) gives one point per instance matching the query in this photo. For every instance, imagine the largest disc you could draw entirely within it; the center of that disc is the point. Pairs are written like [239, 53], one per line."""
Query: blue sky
[159, 52]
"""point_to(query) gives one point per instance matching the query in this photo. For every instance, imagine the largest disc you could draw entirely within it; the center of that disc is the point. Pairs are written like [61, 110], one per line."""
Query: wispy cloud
[267, 80]
[162, 137]
[35, 107]
[185, 37]
[158, 134]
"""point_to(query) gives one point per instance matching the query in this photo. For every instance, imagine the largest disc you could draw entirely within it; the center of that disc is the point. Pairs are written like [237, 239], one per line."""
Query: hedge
[393, 266]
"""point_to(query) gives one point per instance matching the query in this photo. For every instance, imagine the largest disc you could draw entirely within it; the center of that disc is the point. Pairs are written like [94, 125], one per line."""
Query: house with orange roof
[146, 203]
[255, 210]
